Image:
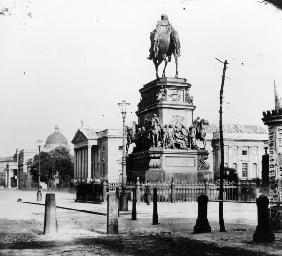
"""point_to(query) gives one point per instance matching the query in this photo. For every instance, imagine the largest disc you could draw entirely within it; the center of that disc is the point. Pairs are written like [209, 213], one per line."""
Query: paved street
[85, 233]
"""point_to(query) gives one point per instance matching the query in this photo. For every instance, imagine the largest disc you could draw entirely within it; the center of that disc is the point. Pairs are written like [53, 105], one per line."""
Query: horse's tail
[176, 42]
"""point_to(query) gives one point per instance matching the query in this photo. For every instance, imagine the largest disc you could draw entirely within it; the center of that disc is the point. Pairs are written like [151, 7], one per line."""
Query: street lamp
[123, 195]
[39, 195]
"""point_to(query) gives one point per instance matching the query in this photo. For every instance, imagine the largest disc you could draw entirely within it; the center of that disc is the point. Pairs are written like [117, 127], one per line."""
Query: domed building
[56, 140]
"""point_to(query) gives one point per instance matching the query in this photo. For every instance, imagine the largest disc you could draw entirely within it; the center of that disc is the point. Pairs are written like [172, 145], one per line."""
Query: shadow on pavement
[134, 244]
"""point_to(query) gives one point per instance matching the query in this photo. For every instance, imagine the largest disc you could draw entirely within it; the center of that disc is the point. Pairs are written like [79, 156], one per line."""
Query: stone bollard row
[138, 192]
[112, 213]
[134, 217]
[202, 223]
[263, 233]
[50, 218]
[172, 187]
[155, 207]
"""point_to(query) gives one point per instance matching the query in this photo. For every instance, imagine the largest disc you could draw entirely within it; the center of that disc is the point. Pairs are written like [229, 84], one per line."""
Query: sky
[63, 61]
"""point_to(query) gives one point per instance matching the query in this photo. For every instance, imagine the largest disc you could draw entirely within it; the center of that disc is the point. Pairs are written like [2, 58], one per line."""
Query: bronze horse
[163, 48]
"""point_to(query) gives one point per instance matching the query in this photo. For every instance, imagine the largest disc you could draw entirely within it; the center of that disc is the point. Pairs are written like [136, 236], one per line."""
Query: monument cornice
[167, 82]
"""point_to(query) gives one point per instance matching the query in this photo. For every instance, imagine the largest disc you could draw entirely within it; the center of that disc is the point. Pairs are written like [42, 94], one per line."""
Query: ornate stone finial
[56, 128]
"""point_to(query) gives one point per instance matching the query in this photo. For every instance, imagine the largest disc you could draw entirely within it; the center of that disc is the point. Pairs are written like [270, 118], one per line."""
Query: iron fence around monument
[180, 192]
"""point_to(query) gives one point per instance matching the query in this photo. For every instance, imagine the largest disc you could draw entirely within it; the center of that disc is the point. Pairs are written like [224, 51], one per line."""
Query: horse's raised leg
[156, 68]
[176, 65]
[164, 67]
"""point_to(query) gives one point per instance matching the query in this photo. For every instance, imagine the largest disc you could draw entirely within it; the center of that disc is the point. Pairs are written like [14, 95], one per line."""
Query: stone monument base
[159, 165]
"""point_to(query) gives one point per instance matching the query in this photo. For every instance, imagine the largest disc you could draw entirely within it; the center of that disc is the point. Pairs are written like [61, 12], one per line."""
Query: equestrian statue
[164, 43]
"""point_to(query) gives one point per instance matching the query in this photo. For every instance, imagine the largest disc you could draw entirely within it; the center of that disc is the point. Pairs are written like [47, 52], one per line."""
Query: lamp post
[39, 195]
[123, 195]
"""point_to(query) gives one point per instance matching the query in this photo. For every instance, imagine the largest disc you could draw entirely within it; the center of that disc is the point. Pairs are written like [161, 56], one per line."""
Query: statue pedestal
[172, 106]
[158, 165]
[164, 143]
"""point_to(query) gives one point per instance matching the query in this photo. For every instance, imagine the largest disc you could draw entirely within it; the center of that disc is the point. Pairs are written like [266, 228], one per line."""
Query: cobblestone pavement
[80, 233]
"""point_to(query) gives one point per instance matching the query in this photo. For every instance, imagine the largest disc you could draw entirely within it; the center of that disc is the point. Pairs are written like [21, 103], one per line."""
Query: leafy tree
[57, 161]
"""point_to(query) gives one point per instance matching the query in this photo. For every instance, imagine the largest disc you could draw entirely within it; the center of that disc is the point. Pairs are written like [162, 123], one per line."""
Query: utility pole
[221, 174]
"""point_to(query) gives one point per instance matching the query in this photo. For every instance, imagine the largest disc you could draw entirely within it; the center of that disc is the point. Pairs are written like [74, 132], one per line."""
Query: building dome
[56, 140]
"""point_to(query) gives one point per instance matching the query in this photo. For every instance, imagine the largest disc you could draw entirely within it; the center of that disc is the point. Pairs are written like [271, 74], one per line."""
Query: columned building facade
[243, 151]
[97, 154]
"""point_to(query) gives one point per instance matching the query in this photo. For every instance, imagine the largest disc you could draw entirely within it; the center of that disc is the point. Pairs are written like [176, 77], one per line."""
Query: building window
[103, 149]
[244, 170]
[120, 147]
[244, 152]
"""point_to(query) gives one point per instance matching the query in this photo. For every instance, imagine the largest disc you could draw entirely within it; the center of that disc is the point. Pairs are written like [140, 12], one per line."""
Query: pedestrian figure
[147, 194]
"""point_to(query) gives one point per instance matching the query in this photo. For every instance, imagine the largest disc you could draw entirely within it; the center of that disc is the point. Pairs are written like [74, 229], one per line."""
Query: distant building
[24, 158]
[56, 140]
[243, 150]
[9, 171]
[97, 154]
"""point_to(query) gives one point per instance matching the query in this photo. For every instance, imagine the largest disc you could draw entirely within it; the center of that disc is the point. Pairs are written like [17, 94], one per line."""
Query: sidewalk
[21, 225]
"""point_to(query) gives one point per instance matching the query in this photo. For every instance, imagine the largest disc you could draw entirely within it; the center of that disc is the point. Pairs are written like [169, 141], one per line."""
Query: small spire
[277, 98]
[56, 128]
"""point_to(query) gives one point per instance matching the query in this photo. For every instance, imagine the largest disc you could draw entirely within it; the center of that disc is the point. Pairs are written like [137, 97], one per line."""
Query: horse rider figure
[163, 29]
[164, 42]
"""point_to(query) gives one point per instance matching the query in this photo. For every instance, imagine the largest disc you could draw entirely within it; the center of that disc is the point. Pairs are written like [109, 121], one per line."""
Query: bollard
[105, 188]
[123, 200]
[112, 213]
[155, 207]
[147, 194]
[138, 194]
[172, 187]
[133, 217]
[50, 218]
[263, 233]
[39, 194]
[202, 223]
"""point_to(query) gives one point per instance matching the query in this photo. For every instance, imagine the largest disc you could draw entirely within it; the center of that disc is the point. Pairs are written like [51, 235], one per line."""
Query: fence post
[202, 223]
[155, 207]
[50, 218]
[133, 217]
[147, 194]
[112, 213]
[105, 186]
[263, 233]
[172, 187]
[138, 192]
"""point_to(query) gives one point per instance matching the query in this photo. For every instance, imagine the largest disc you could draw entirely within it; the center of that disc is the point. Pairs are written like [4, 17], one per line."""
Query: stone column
[83, 164]
[8, 178]
[78, 164]
[89, 163]
[74, 165]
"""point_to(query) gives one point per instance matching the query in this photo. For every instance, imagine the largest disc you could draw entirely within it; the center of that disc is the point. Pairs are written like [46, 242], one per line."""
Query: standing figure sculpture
[155, 131]
[164, 43]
